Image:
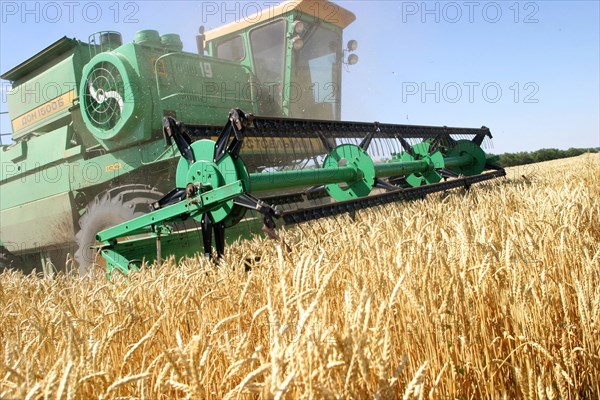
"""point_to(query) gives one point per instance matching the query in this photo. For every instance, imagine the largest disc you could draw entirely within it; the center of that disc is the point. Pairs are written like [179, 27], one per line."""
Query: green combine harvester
[129, 152]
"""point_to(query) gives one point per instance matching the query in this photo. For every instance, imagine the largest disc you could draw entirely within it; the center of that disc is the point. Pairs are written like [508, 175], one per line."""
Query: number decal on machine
[206, 69]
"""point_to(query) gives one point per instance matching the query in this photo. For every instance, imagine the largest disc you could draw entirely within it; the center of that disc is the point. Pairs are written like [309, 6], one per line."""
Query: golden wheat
[487, 293]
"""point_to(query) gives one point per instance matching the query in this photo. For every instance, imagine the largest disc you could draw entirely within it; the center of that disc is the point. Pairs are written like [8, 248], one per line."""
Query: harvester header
[215, 188]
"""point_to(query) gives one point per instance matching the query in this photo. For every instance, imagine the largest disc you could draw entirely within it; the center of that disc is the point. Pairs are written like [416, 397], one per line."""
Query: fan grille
[104, 95]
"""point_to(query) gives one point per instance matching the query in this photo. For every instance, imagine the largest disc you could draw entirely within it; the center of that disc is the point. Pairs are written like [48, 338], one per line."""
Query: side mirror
[200, 40]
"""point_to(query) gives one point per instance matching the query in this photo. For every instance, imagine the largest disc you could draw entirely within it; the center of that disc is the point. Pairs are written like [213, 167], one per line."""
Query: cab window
[268, 53]
[232, 49]
[316, 74]
[268, 56]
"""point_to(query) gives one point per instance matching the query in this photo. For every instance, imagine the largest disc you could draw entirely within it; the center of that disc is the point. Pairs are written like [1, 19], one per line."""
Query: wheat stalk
[490, 293]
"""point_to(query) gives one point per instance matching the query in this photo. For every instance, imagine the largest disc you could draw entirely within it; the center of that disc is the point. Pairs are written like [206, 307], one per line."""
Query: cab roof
[321, 9]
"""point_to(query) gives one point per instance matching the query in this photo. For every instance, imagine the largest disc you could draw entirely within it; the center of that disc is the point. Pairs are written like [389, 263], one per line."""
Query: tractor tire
[109, 208]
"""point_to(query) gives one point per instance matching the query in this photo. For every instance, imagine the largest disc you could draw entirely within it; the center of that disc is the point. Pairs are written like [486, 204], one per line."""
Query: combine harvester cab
[141, 129]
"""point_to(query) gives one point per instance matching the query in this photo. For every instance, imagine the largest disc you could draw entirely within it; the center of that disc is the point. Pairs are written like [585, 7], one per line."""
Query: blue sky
[530, 71]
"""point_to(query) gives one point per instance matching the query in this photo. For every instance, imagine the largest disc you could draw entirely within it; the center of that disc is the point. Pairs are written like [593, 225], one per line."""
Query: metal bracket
[175, 130]
[269, 212]
[232, 136]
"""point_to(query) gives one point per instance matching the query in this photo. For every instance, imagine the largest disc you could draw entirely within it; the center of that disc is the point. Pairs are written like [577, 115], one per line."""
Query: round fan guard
[110, 96]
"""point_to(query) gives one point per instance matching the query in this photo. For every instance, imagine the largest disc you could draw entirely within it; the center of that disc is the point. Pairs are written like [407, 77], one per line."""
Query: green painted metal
[34, 172]
[50, 165]
[199, 89]
[200, 203]
[125, 93]
[268, 181]
[476, 158]
[354, 157]
[44, 87]
[25, 226]
[152, 79]
[211, 174]
[290, 94]
[455, 161]
[218, 183]
[147, 37]
[361, 171]
[172, 41]
[67, 152]
[14, 153]
[117, 262]
[129, 254]
[435, 160]
[115, 103]
[395, 168]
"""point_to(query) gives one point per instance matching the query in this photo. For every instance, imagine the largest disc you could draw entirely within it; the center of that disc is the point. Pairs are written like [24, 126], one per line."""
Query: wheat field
[488, 293]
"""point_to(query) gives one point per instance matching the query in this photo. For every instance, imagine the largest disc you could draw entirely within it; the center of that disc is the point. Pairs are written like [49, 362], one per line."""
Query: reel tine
[406, 146]
[435, 144]
[487, 143]
[305, 145]
[364, 144]
[382, 184]
[478, 139]
[495, 167]
[207, 235]
[231, 137]
[385, 148]
[219, 230]
[259, 144]
[446, 173]
[176, 131]
[378, 149]
[395, 145]
[314, 189]
[325, 141]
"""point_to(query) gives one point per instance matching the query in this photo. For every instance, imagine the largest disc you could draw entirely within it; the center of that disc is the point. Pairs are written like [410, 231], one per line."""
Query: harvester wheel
[7, 259]
[110, 208]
